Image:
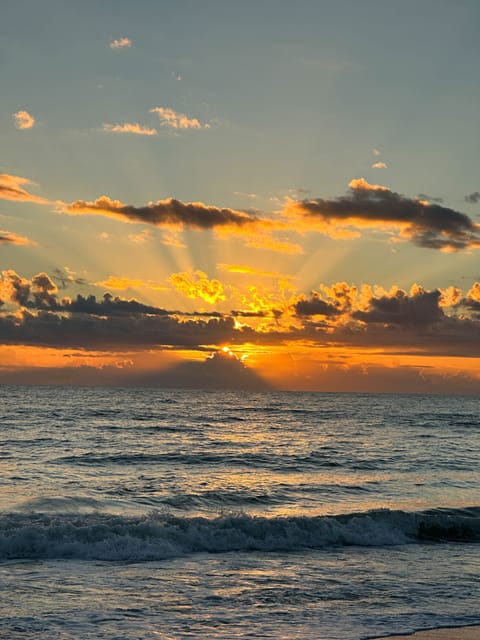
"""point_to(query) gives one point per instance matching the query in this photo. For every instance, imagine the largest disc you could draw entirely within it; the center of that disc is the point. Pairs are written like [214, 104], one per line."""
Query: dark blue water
[164, 514]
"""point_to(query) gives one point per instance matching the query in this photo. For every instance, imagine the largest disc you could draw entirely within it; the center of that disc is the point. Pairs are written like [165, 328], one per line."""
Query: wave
[157, 536]
[286, 462]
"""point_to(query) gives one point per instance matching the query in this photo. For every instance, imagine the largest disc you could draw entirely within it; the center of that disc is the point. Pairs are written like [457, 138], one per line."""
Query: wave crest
[157, 536]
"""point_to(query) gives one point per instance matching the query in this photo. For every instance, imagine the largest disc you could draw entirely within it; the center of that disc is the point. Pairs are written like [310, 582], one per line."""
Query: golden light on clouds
[196, 284]
[173, 120]
[23, 120]
[130, 127]
[121, 43]
[122, 283]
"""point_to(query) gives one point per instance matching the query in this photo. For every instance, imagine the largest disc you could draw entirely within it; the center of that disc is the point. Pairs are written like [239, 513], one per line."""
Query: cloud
[122, 283]
[197, 285]
[266, 241]
[23, 120]
[315, 305]
[377, 207]
[220, 370]
[11, 188]
[251, 196]
[118, 324]
[473, 198]
[376, 152]
[245, 270]
[396, 322]
[424, 196]
[379, 165]
[366, 206]
[39, 292]
[472, 299]
[128, 127]
[173, 120]
[420, 309]
[172, 239]
[357, 320]
[168, 213]
[67, 276]
[175, 215]
[8, 237]
[140, 238]
[120, 43]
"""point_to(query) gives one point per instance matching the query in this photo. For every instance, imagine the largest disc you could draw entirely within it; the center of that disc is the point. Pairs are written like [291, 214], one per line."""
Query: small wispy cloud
[379, 165]
[176, 76]
[248, 271]
[130, 127]
[473, 198]
[8, 237]
[173, 239]
[121, 283]
[424, 196]
[174, 120]
[23, 120]
[140, 238]
[251, 196]
[120, 43]
[376, 152]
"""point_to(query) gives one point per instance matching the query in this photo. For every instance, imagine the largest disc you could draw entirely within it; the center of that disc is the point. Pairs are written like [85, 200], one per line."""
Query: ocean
[131, 514]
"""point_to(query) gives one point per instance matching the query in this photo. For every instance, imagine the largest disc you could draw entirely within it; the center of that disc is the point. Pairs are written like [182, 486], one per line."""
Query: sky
[262, 194]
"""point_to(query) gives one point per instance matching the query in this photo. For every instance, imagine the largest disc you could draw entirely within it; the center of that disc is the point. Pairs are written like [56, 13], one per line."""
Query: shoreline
[471, 632]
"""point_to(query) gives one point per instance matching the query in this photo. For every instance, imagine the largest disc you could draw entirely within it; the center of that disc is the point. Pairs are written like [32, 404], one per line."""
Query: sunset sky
[262, 194]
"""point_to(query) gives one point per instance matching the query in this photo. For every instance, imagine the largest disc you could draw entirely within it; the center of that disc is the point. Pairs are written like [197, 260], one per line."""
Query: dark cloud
[218, 371]
[125, 331]
[419, 310]
[472, 299]
[109, 306]
[249, 314]
[66, 277]
[473, 198]
[368, 378]
[427, 225]
[169, 212]
[315, 305]
[43, 290]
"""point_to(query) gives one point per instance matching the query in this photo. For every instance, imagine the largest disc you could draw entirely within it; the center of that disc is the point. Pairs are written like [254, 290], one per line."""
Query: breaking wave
[157, 536]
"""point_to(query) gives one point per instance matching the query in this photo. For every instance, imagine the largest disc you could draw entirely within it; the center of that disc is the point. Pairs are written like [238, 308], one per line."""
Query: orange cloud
[173, 120]
[7, 237]
[197, 285]
[237, 268]
[11, 188]
[122, 283]
[265, 241]
[128, 127]
[23, 120]
[120, 43]
[140, 238]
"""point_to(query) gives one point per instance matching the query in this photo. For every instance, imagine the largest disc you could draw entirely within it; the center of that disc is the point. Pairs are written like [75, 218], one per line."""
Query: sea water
[148, 514]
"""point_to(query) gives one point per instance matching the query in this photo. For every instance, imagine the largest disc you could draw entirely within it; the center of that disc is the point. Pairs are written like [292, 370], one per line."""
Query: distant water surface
[137, 513]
